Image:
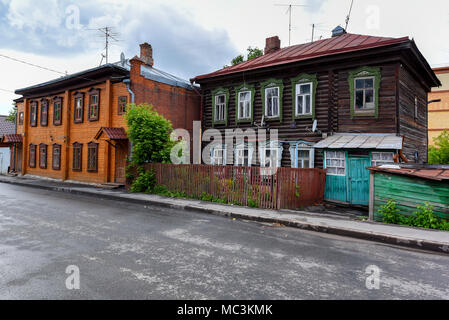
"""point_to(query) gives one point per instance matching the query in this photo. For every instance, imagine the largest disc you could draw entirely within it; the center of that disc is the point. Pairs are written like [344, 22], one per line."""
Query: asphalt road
[128, 251]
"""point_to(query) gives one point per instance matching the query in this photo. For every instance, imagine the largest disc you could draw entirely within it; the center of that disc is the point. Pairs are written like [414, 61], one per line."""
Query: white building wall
[5, 158]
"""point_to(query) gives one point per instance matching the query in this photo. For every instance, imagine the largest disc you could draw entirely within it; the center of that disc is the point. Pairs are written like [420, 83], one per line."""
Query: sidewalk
[432, 240]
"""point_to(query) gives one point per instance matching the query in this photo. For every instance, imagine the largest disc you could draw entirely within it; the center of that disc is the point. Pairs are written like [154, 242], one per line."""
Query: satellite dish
[122, 59]
[315, 124]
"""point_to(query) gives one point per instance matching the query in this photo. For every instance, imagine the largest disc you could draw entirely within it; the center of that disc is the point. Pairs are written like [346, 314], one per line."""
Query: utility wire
[31, 64]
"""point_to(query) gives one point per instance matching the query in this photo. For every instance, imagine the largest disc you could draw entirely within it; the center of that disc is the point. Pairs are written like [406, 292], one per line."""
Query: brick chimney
[146, 54]
[272, 44]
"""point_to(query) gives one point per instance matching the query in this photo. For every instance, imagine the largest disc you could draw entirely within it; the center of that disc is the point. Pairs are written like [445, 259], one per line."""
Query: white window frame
[275, 146]
[326, 158]
[303, 96]
[238, 157]
[248, 116]
[272, 99]
[213, 159]
[218, 107]
[365, 108]
[374, 163]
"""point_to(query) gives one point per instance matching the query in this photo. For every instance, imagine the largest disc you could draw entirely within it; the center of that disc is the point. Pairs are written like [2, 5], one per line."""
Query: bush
[390, 213]
[425, 218]
[145, 181]
[439, 154]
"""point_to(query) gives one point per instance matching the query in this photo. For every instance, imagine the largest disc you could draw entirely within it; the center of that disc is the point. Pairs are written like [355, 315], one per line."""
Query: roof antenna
[348, 17]
[289, 11]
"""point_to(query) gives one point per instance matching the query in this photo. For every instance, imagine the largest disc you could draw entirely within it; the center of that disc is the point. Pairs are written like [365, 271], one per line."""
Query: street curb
[352, 233]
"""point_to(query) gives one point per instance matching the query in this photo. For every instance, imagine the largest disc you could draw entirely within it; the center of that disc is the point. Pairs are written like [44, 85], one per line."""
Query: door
[19, 159]
[359, 180]
[121, 153]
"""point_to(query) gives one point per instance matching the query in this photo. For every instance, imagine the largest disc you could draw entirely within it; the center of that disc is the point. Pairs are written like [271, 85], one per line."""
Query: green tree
[439, 154]
[149, 133]
[12, 115]
[252, 53]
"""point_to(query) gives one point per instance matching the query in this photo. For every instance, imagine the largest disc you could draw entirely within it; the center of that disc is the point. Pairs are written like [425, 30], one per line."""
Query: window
[364, 85]
[122, 103]
[218, 155]
[244, 104]
[92, 157]
[416, 108]
[220, 107]
[304, 159]
[336, 163]
[79, 108]
[56, 163]
[57, 111]
[302, 155]
[271, 154]
[304, 89]
[20, 118]
[43, 156]
[304, 99]
[33, 114]
[381, 158]
[94, 104]
[243, 157]
[272, 102]
[364, 94]
[32, 156]
[220, 99]
[77, 156]
[44, 112]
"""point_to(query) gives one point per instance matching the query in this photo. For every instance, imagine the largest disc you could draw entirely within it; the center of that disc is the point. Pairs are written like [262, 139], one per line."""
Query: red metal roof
[438, 174]
[12, 138]
[112, 133]
[341, 44]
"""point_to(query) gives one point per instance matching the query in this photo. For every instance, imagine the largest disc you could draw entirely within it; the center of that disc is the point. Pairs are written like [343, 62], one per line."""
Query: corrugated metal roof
[341, 44]
[437, 173]
[361, 141]
[164, 77]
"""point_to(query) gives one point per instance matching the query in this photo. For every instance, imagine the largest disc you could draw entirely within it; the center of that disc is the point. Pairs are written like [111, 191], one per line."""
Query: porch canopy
[112, 133]
[11, 139]
[361, 141]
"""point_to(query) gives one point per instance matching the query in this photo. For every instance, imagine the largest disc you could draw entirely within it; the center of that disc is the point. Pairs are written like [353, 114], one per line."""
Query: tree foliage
[149, 133]
[252, 53]
[12, 115]
[439, 154]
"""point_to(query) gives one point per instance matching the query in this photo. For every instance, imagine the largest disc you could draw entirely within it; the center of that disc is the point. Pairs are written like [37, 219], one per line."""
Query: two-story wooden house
[74, 127]
[342, 103]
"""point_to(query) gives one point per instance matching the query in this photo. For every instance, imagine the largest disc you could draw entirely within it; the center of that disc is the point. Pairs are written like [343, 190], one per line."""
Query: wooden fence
[270, 188]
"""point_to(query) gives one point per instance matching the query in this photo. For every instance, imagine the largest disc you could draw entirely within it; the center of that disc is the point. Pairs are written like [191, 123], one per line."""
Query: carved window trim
[92, 157]
[122, 104]
[56, 157]
[43, 156]
[78, 108]
[77, 157]
[32, 156]
[57, 110]
[44, 112]
[94, 105]
[33, 113]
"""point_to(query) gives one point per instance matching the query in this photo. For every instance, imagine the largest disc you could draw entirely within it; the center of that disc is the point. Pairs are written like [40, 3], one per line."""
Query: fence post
[211, 180]
[278, 188]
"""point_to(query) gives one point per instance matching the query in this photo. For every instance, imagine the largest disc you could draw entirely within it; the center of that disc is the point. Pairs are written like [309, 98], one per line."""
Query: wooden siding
[409, 192]
[413, 131]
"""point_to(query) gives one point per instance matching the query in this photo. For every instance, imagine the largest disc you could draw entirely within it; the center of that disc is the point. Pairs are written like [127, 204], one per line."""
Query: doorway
[121, 155]
[359, 179]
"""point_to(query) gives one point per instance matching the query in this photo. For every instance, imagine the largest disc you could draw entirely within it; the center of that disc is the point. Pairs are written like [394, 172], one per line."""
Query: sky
[192, 37]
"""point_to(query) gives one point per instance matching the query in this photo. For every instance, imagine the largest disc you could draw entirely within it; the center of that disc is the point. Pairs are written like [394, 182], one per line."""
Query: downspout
[201, 117]
[15, 145]
[127, 82]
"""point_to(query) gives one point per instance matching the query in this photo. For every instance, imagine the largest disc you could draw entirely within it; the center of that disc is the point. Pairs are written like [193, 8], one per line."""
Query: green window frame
[365, 72]
[244, 88]
[272, 83]
[304, 79]
[215, 93]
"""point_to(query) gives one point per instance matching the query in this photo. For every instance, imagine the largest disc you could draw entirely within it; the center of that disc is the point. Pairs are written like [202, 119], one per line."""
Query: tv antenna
[110, 36]
[348, 17]
[289, 11]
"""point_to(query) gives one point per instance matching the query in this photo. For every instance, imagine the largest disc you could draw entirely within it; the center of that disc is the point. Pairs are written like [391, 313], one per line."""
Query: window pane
[308, 105]
[359, 99]
[305, 89]
[300, 105]
[275, 106]
[369, 83]
[306, 164]
[359, 84]
[369, 96]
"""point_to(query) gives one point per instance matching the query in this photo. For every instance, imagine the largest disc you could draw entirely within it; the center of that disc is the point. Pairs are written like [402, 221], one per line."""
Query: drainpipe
[15, 145]
[127, 82]
[201, 116]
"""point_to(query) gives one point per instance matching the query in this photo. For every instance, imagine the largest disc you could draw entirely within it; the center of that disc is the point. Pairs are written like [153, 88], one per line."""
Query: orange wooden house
[439, 109]
[73, 128]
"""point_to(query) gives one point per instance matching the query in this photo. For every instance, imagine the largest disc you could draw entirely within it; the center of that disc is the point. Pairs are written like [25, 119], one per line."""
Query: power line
[6, 90]
[31, 64]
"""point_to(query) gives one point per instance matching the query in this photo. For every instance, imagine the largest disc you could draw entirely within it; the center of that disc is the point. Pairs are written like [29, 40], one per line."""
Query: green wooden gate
[358, 177]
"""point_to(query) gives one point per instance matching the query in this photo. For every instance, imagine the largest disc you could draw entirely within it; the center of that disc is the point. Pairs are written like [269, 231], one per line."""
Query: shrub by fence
[270, 188]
